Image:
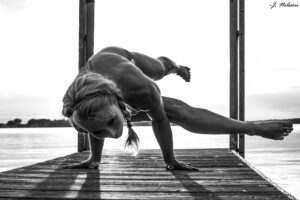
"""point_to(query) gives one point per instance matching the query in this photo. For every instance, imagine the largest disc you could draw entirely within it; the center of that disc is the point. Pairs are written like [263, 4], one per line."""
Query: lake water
[278, 160]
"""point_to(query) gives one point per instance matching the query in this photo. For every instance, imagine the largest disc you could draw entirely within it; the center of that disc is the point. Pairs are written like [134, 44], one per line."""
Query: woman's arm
[163, 132]
[96, 146]
[93, 162]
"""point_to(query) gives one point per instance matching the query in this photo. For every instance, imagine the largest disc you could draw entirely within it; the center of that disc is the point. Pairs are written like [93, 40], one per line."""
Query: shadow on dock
[192, 187]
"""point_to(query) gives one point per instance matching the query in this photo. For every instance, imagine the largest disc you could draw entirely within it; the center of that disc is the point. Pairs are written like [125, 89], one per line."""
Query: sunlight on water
[278, 160]
[26, 146]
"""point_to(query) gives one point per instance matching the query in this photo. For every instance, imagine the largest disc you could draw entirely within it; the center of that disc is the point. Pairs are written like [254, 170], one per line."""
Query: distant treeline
[146, 123]
[17, 123]
[295, 120]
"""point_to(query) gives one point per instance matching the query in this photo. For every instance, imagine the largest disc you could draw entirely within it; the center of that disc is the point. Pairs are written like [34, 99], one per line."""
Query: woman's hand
[87, 164]
[177, 165]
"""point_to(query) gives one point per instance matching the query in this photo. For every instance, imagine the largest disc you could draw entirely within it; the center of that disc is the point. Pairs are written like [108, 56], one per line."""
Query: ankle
[169, 65]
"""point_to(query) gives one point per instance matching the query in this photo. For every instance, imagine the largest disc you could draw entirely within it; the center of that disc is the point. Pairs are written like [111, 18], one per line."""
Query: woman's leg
[199, 120]
[154, 68]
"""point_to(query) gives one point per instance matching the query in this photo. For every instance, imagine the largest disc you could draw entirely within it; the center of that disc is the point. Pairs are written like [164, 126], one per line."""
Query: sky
[39, 52]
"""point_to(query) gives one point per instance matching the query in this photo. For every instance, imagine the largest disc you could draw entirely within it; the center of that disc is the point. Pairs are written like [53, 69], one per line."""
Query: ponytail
[132, 140]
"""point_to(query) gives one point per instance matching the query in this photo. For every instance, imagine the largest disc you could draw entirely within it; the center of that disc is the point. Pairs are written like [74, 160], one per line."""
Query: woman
[116, 84]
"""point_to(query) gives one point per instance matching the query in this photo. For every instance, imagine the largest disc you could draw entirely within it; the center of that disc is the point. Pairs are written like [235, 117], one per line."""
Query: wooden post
[237, 71]
[86, 48]
[233, 101]
[242, 73]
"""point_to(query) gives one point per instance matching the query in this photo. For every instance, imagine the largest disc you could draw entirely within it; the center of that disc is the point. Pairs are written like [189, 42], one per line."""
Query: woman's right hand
[87, 164]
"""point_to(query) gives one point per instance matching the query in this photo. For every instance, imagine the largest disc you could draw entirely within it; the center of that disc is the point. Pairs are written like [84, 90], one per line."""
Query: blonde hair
[85, 96]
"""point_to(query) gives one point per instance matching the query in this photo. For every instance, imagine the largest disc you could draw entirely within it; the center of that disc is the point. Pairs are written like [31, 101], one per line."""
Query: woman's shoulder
[144, 96]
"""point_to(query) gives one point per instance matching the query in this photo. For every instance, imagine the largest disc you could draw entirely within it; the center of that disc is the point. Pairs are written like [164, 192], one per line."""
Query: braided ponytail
[132, 140]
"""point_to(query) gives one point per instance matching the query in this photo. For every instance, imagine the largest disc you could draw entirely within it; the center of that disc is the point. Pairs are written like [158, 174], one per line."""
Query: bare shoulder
[140, 91]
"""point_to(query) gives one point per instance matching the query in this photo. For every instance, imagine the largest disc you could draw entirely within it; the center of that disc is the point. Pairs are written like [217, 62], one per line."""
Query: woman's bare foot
[172, 67]
[275, 130]
[184, 72]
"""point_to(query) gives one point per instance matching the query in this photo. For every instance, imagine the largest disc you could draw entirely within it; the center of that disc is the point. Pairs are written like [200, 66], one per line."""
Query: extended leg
[199, 120]
[153, 68]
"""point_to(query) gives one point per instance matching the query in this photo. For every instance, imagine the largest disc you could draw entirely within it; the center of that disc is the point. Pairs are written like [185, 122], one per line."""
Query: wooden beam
[86, 48]
[86, 30]
[233, 101]
[242, 73]
[90, 28]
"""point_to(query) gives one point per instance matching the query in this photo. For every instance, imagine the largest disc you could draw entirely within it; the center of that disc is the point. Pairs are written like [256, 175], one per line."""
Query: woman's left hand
[177, 165]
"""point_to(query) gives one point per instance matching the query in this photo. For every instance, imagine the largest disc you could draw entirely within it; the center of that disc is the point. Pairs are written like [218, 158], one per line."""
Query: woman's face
[107, 122]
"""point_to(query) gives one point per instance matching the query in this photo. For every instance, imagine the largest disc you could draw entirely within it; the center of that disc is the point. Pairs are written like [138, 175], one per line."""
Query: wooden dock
[222, 175]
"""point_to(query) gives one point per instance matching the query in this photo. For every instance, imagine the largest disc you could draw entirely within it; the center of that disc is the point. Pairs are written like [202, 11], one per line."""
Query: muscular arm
[96, 146]
[94, 159]
[163, 132]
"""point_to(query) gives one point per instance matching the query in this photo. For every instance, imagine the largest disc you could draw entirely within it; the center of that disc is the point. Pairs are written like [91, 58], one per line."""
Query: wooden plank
[140, 195]
[126, 176]
[143, 177]
[133, 182]
[192, 187]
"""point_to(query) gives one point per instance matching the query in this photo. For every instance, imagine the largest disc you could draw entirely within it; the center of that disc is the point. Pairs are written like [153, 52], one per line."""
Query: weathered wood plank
[104, 173]
[146, 178]
[188, 186]
[137, 182]
[103, 169]
[140, 195]
[221, 175]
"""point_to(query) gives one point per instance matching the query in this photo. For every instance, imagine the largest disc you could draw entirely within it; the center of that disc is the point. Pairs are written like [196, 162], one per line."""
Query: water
[278, 160]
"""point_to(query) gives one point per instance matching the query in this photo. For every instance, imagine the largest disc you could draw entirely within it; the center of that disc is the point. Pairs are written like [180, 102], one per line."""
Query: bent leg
[199, 120]
[154, 68]
[160, 67]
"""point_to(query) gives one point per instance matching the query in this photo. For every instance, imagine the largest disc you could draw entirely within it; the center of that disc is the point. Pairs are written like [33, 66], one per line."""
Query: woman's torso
[132, 82]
